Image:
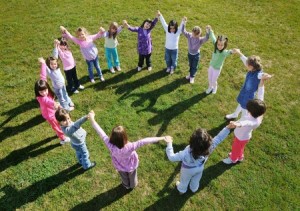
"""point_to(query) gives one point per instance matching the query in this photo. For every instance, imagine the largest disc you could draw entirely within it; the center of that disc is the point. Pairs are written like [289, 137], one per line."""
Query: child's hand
[168, 139]
[63, 29]
[56, 42]
[101, 30]
[208, 28]
[41, 60]
[56, 105]
[91, 115]
[158, 13]
[236, 51]
[266, 76]
[125, 24]
[233, 124]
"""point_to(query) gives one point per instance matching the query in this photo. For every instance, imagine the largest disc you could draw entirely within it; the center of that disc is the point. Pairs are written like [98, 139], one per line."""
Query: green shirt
[218, 57]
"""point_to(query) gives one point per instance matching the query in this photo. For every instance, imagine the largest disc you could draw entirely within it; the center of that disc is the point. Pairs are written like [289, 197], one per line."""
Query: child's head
[63, 45]
[256, 107]
[81, 33]
[196, 31]
[63, 117]
[172, 27]
[200, 142]
[51, 62]
[146, 24]
[118, 137]
[112, 31]
[221, 43]
[254, 63]
[42, 89]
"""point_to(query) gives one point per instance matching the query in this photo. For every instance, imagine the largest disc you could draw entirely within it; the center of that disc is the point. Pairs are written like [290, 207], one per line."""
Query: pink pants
[237, 151]
[56, 127]
[213, 75]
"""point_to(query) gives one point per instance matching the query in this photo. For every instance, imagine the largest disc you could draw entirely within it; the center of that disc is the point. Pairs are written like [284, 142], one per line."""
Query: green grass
[39, 174]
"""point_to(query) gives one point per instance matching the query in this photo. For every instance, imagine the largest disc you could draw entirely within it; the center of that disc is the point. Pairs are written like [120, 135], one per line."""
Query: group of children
[123, 152]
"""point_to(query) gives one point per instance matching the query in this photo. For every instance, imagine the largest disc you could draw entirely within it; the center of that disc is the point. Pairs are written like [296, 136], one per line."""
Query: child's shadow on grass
[31, 151]
[13, 199]
[103, 200]
[165, 116]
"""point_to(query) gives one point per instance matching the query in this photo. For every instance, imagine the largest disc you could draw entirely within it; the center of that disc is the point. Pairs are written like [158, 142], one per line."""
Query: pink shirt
[66, 57]
[125, 159]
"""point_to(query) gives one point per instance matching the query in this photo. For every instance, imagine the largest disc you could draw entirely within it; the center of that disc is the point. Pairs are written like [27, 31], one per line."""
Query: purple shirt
[125, 159]
[144, 46]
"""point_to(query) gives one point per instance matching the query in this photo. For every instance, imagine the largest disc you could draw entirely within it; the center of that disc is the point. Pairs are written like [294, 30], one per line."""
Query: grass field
[39, 174]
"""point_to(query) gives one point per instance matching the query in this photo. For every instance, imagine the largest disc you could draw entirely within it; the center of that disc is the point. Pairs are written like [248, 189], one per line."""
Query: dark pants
[72, 80]
[193, 62]
[129, 179]
[141, 60]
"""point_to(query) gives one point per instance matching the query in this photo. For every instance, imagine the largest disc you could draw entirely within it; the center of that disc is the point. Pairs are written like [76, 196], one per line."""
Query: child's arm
[220, 137]
[56, 49]
[43, 73]
[130, 28]
[163, 22]
[212, 35]
[100, 34]
[96, 126]
[149, 140]
[261, 87]
[174, 156]
[242, 56]
[72, 129]
[154, 22]
[185, 33]
[205, 39]
[67, 35]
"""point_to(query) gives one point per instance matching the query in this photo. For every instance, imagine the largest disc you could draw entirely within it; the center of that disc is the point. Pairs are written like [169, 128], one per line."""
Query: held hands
[91, 115]
[168, 139]
[208, 28]
[266, 76]
[125, 24]
[101, 30]
[184, 19]
[233, 124]
[56, 106]
[237, 51]
[158, 14]
[41, 60]
[63, 29]
[56, 42]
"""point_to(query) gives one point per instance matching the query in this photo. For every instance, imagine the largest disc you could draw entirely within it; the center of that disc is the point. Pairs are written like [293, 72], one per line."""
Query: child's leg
[174, 58]
[235, 114]
[148, 60]
[214, 78]
[185, 177]
[75, 78]
[244, 112]
[168, 58]
[66, 96]
[86, 163]
[97, 66]
[69, 78]
[61, 96]
[133, 181]
[194, 64]
[141, 60]
[210, 75]
[56, 127]
[78, 153]
[90, 69]
[108, 53]
[115, 57]
[125, 179]
[237, 151]
[194, 184]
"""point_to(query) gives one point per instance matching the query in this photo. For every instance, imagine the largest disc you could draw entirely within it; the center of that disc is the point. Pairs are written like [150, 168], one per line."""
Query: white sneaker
[192, 80]
[172, 71]
[71, 108]
[208, 90]
[81, 87]
[187, 77]
[102, 78]
[92, 81]
[168, 70]
[214, 91]
[231, 116]
[76, 91]
[177, 183]
[149, 68]
[228, 161]
[139, 68]
[118, 68]
[67, 140]
[112, 70]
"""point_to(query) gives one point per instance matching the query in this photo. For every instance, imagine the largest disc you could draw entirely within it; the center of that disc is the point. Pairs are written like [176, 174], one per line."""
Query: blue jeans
[193, 62]
[171, 57]
[82, 155]
[112, 54]
[63, 97]
[96, 64]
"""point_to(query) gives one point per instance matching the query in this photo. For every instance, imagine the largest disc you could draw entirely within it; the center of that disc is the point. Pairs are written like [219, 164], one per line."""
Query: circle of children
[123, 152]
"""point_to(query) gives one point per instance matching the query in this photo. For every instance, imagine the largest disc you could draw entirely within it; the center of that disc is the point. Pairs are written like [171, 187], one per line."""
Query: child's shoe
[187, 77]
[209, 90]
[93, 164]
[172, 71]
[102, 78]
[214, 91]
[81, 87]
[168, 70]
[192, 80]
[112, 70]
[71, 108]
[228, 161]
[67, 140]
[118, 68]
[92, 81]
[149, 68]
[71, 104]
[177, 183]
[76, 91]
[231, 116]
[139, 68]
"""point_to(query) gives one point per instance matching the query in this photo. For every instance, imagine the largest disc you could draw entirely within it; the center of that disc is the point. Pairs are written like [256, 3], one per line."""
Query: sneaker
[112, 70]
[81, 87]
[93, 164]
[76, 91]
[149, 68]
[139, 68]
[118, 68]
[67, 140]
[231, 116]
[177, 183]
[172, 71]
[192, 80]
[241, 159]
[208, 90]
[71, 104]
[101, 78]
[168, 70]
[187, 77]
[92, 81]
[214, 91]
[228, 161]
[71, 108]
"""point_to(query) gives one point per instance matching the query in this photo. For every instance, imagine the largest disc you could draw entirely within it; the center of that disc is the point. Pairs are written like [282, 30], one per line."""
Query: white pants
[190, 176]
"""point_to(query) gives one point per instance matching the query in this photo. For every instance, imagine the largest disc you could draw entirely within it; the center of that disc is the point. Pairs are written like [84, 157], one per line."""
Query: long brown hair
[200, 142]
[118, 137]
[41, 85]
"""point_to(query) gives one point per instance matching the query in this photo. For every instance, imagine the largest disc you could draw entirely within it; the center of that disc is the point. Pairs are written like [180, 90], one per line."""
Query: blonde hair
[81, 29]
[197, 30]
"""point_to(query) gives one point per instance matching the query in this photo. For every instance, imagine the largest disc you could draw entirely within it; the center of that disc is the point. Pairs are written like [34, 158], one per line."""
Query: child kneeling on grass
[77, 135]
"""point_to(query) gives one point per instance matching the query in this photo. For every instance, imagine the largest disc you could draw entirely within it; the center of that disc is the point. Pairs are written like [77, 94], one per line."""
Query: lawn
[37, 173]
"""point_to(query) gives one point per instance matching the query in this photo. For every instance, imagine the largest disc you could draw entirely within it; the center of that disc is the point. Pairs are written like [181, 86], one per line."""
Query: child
[144, 46]
[250, 85]
[58, 81]
[194, 156]
[87, 48]
[77, 135]
[244, 127]
[124, 156]
[62, 50]
[195, 41]
[172, 40]
[45, 97]
[110, 45]
[216, 63]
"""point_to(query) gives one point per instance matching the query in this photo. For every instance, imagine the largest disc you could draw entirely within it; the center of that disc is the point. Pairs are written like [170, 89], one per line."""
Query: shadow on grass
[31, 151]
[11, 131]
[174, 201]
[13, 199]
[165, 116]
[103, 200]
[213, 132]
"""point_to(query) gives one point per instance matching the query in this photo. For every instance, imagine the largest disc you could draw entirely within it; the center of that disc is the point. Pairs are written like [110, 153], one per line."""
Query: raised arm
[185, 33]
[67, 35]
[56, 49]
[163, 22]
[100, 34]
[97, 127]
[220, 137]
[72, 129]
[43, 73]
